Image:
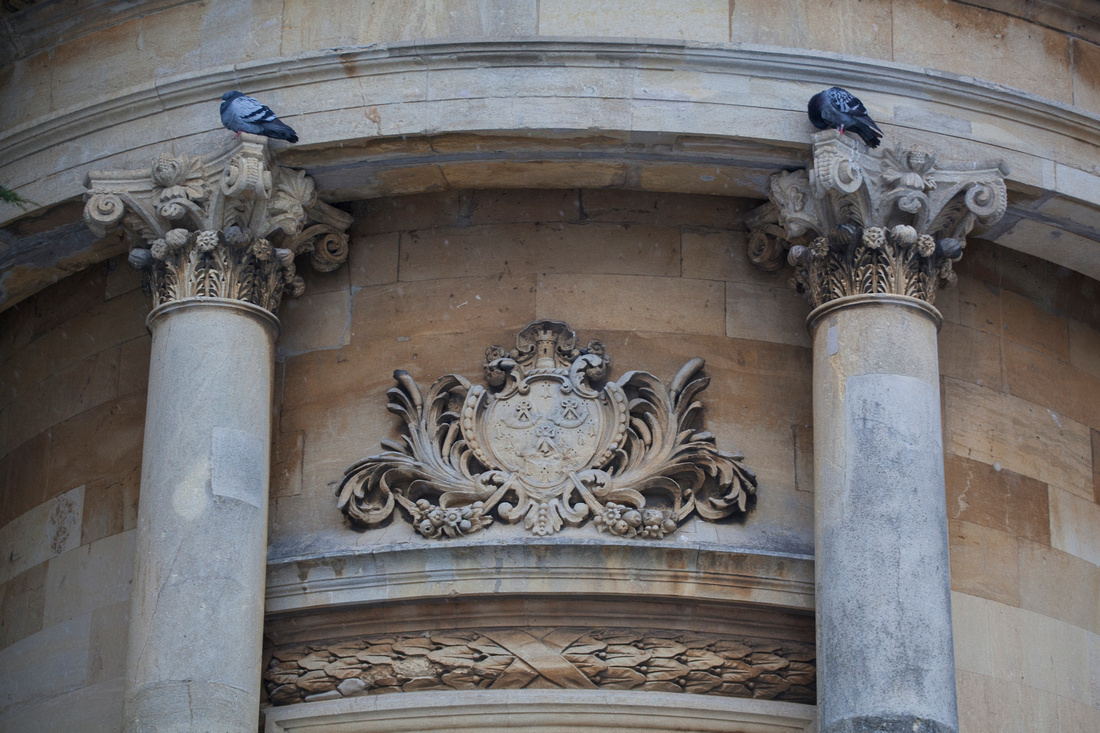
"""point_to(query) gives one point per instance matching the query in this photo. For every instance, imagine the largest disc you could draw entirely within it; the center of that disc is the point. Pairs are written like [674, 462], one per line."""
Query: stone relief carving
[549, 443]
[222, 226]
[859, 221]
[514, 658]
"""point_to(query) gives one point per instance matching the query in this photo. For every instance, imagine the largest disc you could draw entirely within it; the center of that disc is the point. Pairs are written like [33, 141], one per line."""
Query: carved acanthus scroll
[549, 443]
[859, 221]
[222, 226]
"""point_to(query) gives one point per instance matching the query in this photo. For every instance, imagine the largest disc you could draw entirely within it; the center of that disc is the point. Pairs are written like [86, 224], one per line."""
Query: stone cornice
[401, 572]
[366, 61]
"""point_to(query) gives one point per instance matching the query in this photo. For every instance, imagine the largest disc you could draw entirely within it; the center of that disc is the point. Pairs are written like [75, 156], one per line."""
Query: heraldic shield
[549, 442]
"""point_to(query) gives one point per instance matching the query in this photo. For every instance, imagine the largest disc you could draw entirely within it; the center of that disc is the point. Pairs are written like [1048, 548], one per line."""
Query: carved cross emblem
[550, 442]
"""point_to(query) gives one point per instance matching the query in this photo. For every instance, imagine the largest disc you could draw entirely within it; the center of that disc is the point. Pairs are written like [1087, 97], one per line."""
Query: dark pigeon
[837, 109]
[245, 114]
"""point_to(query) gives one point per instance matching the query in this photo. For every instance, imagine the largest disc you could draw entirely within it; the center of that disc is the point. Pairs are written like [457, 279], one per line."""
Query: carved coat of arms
[549, 442]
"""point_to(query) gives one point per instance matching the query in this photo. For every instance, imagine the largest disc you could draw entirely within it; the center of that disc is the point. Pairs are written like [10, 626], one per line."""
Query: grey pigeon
[836, 108]
[245, 114]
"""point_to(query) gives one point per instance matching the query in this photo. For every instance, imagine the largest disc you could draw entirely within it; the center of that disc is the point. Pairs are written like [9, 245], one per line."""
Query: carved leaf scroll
[513, 658]
[550, 443]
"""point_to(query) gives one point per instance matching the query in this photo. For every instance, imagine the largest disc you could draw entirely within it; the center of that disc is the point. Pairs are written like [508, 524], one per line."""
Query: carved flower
[167, 171]
[177, 238]
[819, 248]
[434, 521]
[159, 249]
[874, 237]
[926, 245]
[206, 241]
[262, 250]
[619, 520]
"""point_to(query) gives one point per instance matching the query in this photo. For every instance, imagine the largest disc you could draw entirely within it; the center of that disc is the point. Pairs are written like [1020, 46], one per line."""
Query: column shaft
[197, 605]
[885, 653]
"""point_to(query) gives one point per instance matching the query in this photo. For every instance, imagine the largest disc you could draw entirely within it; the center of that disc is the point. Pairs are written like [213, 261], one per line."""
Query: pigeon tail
[281, 131]
[868, 133]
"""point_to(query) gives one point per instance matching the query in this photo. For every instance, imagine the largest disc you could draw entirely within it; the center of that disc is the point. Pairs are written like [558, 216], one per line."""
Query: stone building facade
[562, 376]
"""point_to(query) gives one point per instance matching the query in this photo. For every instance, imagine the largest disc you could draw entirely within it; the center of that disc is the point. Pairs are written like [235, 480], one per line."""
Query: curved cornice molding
[173, 94]
[460, 568]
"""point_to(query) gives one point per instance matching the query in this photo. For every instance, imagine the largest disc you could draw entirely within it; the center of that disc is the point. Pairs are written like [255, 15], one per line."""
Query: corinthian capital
[860, 221]
[227, 225]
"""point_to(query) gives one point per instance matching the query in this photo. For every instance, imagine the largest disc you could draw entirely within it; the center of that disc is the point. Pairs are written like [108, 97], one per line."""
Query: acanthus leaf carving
[227, 225]
[550, 443]
[888, 221]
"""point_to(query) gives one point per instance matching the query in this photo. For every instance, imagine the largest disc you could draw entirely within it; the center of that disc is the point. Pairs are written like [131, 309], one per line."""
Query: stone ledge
[456, 569]
[541, 710]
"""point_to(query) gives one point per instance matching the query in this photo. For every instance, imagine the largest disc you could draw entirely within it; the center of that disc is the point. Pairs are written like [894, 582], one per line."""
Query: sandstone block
[50, 662]
[766, 313]
[1014, 52]
[1059, 585]
[94, 443]
[697, 20]
[311, 322]
[627, 303]
[1031, 326]
[89, 577]
[970, 625]
[847, 27]
[1075, 525]
[984, 563]
[1084, 347]
[110, 505]
[518, 249]
[372, 259]
[21, 610]
[410, 309]
[107, 642]
[1020, 436]
[1053, 384]
[969, 354]
[1002, 500]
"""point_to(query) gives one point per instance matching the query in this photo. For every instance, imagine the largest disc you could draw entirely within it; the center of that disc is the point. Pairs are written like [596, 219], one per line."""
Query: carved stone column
[216, 238]
[870, 236]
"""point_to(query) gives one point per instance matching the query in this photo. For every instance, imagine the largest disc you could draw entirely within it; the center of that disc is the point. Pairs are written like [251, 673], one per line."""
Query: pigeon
[245, 114]
[836, 108]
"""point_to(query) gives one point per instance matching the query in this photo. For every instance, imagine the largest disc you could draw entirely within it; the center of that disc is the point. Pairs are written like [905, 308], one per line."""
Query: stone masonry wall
[434, 279]
[1020, 373]
[73, 366]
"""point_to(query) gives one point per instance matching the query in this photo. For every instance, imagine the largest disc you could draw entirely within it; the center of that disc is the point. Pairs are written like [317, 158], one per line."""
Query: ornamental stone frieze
[228, 225]
[550, 442]
[660, 660]
[892, 221]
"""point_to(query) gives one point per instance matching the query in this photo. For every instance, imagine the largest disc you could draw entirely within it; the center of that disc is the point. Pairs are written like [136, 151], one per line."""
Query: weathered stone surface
[78, 455]
[621, 302]
[1075, 525]
[1060, 586]
[21, 608]
[1051, 383]
[1021, 436]
[518, 249]
[1002, 500]
[704, 20]
[984, 563]
[1031, 326]
[850, 27]
[969, 354]
[89, 577]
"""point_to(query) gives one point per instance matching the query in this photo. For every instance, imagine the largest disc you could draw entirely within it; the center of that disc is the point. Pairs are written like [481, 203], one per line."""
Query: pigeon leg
[841, 130]
[237, 135]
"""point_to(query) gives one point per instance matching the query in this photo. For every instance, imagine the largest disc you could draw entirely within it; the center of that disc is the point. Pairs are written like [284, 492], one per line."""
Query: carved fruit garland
[545, 446]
